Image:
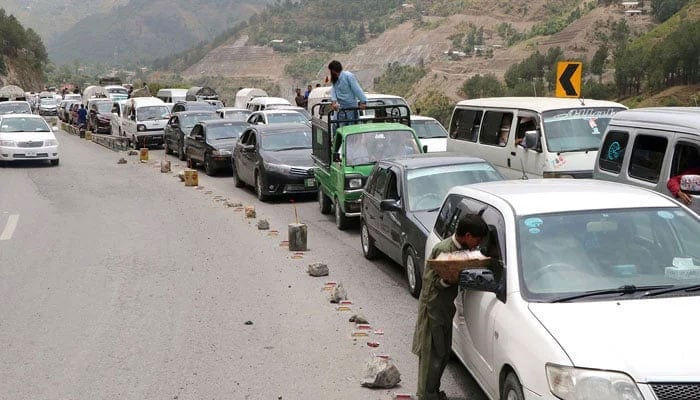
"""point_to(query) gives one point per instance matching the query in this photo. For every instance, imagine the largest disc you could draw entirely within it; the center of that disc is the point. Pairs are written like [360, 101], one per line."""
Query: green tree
[398, 79]
[436, 105]
[483, 86]
[598, 61]
[664, 9]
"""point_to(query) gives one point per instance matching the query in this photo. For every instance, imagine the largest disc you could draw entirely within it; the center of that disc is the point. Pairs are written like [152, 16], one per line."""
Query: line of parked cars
[578, 265]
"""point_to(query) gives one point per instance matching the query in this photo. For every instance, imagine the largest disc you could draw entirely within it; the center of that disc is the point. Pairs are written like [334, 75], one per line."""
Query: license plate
[30, 153]
[310, 182]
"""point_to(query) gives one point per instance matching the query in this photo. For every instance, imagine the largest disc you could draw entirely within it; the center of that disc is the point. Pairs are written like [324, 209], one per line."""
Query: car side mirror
[425, 148]
[336, 157]
[480, 280]
[389, 205]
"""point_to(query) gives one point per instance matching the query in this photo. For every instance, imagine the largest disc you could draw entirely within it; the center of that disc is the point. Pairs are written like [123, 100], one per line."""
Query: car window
[244, 137]
[577, 252]
[647, 157]
[371, 181]
[496, 128]
[685, 156]
[392, 190]
[465, 124]
[381, 183]
[452, 209]
[612, 153]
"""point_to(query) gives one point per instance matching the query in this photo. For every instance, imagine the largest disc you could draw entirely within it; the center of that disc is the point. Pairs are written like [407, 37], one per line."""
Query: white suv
[594, 297]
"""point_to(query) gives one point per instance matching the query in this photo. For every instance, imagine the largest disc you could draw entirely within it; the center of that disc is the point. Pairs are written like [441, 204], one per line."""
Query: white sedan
[594, 296]
[27, 137]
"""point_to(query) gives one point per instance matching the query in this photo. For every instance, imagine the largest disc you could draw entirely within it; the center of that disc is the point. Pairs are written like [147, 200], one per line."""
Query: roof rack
[382, 113]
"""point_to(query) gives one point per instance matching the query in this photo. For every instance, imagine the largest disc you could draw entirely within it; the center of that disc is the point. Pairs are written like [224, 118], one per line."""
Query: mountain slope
[51, 17]
[147, 29]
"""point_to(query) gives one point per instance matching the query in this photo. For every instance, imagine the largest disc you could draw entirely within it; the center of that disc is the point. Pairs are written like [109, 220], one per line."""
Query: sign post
[568, 79]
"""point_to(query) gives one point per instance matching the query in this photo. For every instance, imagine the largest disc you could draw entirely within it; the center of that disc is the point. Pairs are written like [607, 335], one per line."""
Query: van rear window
[613, 151]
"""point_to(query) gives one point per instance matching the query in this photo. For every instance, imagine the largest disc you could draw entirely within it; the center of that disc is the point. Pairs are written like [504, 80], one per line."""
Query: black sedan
[211, 143]
[179, 126]
[100, 116]
[400, 203]
[275, 159]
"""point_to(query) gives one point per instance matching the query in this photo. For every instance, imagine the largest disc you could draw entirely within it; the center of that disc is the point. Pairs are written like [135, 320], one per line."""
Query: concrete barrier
[116, 143]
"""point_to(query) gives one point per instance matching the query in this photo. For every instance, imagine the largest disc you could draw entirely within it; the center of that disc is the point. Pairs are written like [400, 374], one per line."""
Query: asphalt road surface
[118, 282]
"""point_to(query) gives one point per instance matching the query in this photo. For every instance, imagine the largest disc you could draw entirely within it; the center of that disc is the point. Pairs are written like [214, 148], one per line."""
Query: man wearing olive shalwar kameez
[432, 339]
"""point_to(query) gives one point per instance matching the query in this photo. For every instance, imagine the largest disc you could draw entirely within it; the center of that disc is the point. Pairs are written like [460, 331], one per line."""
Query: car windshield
[576, 129]
[152, 112]
[224, 131]
[47, 102]
[14, 108]
[292, 116]
[117, 91]
[287, 140]
[370, 147]
[103, 107]
[426, 187]
[23, 125]
[573, 253]
[190, 120]
[428, 129]
[237, 115]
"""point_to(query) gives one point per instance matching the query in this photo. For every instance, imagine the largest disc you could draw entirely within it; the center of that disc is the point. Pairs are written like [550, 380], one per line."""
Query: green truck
[345, 151]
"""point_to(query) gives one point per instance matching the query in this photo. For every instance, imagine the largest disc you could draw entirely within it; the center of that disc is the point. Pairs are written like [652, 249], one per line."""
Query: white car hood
[653, 340]
[27, 136]
[434, 144]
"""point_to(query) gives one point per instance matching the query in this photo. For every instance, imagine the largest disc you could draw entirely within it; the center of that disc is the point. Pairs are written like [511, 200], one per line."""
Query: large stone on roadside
[339, 293]
[381, 374]
[263, 224]
[318, 269]
[132, 153]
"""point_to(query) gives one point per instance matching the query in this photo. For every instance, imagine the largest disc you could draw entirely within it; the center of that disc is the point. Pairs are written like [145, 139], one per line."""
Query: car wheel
[208, 166]
[237, 182]
[167, 148]
[54, 162]
[324, 203]
[413, 272]
[368, 249]
[341, 221]
[259, 187]
[512, 389]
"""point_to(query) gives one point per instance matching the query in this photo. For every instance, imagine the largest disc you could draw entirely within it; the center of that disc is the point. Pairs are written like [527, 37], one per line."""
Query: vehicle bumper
[103, 127]
[149, 137]
[221, 162]
[47, 112]
[352, 203]
[280, 184]
[28, 153]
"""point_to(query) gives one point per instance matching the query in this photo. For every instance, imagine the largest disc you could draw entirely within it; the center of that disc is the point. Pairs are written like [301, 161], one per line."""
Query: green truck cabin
[344, 161]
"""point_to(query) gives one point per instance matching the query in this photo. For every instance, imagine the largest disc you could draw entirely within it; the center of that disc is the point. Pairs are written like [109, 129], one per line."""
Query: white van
[245, 95]
[259, 103]
[172, 95]
[649, 147]
[319, 95]
[563, 139]
[144, 120]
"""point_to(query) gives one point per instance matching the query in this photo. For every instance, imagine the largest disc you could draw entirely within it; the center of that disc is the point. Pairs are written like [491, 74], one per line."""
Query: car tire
[54, 162]
[324, 203]
[341, 221]
[208, 167]
[237, 182]
[413, 272]
[512, 389]
[167, 148]
[368, 248]
[259, 187]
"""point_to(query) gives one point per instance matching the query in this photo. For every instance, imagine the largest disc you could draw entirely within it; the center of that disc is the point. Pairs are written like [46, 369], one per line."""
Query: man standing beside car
[432, 339]
[345, 93]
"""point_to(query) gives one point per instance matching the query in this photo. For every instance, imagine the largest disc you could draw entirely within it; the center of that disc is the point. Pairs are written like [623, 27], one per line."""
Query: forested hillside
[22, 53]
[142, 30]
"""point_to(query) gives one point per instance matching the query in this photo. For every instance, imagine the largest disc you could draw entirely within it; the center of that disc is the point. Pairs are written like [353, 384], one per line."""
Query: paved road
[119, 282]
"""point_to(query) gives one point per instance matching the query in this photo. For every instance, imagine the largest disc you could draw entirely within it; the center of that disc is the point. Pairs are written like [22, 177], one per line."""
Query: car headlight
[7, 143]
[140, 127]
[355, 183]
[222, 152]
[279, 168]
[569, 383]
[51, 142]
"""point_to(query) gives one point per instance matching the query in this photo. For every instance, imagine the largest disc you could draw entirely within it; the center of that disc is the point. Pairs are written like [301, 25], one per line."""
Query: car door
[246, 158]
[170, 133]
[390, 221]
[477, 311]
[238, 154]
[373, 195]
[195, 143]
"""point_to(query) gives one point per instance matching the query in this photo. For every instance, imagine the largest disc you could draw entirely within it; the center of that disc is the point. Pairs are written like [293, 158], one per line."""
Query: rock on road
[120, 283]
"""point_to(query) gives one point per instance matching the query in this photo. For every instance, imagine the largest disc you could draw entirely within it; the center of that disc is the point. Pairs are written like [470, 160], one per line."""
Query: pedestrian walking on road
[345, 92]
[432, 339]
[82, 115]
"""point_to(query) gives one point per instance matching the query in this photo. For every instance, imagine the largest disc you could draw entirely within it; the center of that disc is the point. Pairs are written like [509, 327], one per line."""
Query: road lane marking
[10, 227]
